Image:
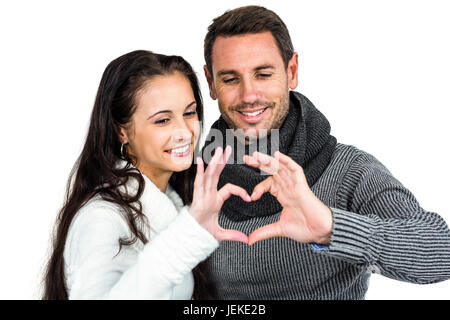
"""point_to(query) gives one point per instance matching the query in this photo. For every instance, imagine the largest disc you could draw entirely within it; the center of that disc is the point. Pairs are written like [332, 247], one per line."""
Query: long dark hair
[95, 172]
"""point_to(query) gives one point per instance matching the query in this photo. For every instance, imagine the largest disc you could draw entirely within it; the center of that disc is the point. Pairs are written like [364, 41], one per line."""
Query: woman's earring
[122, 154]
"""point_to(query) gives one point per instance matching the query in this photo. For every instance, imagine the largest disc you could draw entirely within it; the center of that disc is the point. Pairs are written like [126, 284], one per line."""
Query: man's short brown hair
[247, 20]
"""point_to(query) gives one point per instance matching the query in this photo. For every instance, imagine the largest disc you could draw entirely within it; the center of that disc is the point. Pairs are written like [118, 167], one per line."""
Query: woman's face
[164, 128]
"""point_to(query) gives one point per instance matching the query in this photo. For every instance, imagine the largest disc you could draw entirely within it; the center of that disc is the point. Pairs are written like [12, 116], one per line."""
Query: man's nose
[249, 91]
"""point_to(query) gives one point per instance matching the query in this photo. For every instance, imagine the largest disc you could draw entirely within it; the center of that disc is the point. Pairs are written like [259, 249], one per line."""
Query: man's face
[251, 82]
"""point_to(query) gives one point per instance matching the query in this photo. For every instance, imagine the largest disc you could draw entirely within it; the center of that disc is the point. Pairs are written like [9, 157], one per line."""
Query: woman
[139, 215]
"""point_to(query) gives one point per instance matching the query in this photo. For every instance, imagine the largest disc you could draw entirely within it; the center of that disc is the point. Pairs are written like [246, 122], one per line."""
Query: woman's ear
[122, 134]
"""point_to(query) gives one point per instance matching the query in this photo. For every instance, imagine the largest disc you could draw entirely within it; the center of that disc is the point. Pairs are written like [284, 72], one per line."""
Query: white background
[379, 71]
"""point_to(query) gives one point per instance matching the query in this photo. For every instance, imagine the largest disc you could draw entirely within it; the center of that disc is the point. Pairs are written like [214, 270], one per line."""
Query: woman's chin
[179, 168]
[180, 163]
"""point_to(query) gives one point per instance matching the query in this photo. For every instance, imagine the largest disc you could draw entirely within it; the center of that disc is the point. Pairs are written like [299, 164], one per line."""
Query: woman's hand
[207, 200]
[304, 217]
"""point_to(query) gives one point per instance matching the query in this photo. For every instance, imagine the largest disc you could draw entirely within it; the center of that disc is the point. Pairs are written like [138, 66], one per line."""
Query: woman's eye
[190, 113]
[162, 121]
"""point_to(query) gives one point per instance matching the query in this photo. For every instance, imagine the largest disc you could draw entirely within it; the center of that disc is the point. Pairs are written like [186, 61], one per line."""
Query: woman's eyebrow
[170, 111]
[161, 111]
[190, 104]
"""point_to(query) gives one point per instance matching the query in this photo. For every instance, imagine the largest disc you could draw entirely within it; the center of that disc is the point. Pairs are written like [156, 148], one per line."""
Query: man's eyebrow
[226, 72]
[233, 72]
[264, 66]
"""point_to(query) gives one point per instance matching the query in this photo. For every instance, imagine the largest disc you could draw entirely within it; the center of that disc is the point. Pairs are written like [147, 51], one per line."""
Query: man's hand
[304, 217]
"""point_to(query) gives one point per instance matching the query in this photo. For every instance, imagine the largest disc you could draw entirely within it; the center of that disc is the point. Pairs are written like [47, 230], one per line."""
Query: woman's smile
[181, 151]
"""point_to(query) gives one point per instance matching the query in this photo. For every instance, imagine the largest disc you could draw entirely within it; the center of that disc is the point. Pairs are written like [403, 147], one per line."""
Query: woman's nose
[182, 132]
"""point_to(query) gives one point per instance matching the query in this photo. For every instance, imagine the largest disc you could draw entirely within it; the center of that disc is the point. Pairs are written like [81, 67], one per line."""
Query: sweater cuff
[180, 247]
[196, 231]
[355, 238]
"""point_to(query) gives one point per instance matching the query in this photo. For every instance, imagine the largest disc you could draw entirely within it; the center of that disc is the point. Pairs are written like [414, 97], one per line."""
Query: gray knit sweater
[378, 226]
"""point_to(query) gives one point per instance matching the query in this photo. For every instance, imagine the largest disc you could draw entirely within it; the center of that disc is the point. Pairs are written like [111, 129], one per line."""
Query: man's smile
[253, 115]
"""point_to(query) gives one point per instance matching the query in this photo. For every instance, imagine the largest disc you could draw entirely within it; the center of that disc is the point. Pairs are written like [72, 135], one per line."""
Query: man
[328, 214]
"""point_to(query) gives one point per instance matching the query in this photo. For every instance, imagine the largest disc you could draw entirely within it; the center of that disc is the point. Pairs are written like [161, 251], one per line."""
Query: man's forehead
[248, 51]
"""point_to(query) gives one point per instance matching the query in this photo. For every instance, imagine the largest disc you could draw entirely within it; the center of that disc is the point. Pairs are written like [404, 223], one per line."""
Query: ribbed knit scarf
[304, 136]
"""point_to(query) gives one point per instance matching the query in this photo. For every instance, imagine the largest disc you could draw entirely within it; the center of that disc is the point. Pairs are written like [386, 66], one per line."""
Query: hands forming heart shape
[304, 217]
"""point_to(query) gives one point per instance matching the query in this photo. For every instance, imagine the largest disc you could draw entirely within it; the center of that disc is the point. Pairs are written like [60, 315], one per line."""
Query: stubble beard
[275, 123]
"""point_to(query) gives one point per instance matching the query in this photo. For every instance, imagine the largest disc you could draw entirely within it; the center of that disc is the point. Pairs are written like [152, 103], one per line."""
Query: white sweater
[160, 269]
